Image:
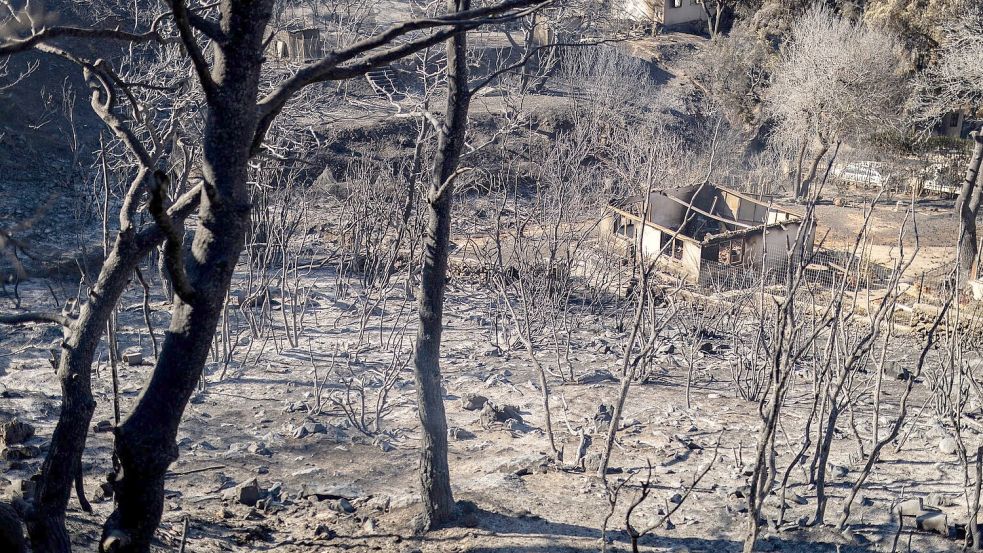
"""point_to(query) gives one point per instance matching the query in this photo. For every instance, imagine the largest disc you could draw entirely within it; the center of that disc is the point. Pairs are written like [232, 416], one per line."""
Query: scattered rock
[316, 428]
[102, 426]
[492, 413]
[940, 500]
[133, 357]
[253, 514]
[676, 499]
[596, 377]
[525, 465]
[16, 432]
[602, 419]
[378, 503]
[910, 507]
[259, 448]
[460, 434]
[473, 402]
[386, 446]
[797, 499]
[249, 493]
[22, 490]
[933, 522]
[592, 462]
[300, 432]
[838, 471]
[342, 505]
[309, 428]
[322, 532]
[947, 445]
[20, 452]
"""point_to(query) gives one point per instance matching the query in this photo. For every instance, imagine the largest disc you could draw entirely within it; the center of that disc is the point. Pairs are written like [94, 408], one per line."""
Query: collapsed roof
[706, 213]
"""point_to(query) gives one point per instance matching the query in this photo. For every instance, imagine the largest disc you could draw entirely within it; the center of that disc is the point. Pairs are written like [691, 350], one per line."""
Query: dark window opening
[731, 252]
[623, 227]
[677, 248]
[672, 247]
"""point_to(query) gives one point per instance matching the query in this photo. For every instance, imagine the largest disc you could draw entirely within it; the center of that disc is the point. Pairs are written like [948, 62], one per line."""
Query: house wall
[952, 124]
[298, 45]
[650, 245]
[663, 11]
[688, 12]
[752, 212]
[650, 241]
[692, 253]
[667, 213]
[638, 10]
[773, 243]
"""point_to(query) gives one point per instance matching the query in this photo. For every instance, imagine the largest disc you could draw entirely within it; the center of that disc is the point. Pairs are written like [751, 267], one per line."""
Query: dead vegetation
[397, 316]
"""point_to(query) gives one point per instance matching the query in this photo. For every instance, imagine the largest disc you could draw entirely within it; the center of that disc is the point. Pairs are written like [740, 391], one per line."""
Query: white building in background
[669, 13]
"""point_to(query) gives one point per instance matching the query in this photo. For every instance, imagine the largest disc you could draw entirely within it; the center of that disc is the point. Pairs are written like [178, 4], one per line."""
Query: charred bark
[62, 464]
[438, 500]
[968, 210]
[145, 442]
[805, 185]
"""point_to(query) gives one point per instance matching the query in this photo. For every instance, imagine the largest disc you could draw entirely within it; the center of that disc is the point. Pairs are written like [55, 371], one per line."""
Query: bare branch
[47, 35]
[207, 27]
[41, 317]
[173, 254]
[332, 68]
[184, 26]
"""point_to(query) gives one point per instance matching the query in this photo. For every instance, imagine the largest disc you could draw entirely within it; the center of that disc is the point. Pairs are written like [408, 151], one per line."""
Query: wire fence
[827, 268]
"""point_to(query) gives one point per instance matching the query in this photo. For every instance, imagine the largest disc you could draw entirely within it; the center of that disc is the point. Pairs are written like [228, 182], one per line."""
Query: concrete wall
[952, 124]
[663, 11]
[650, 241]
[638, 10]
[774, 243]
[691, 259]
[668, 213]
[688, 12]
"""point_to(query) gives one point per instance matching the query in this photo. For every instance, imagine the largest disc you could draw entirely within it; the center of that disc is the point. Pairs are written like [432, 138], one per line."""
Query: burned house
[706, 232]
[667, 13]
[298, 45]
[951, 124]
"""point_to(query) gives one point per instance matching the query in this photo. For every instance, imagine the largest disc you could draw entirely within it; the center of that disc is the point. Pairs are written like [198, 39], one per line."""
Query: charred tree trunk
[822, 456]
[438, 501]
[11, 531]
[145, 442]
[805, 185]
[968, 209]
[62, 464]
